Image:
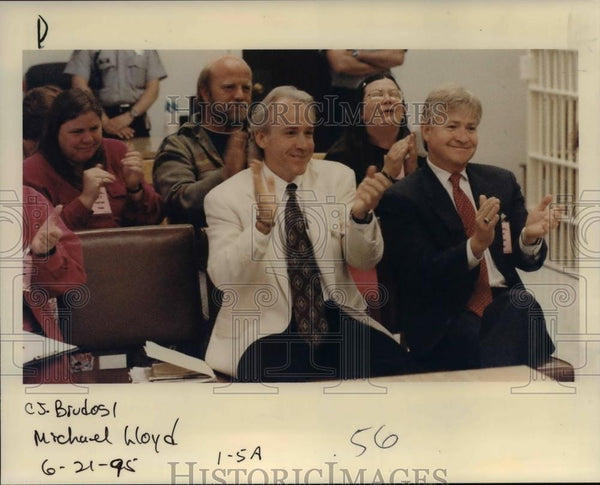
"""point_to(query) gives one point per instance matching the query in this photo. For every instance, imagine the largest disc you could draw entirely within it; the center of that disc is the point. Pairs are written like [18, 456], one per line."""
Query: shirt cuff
[531, 250]
[472, 261]
[368, 230]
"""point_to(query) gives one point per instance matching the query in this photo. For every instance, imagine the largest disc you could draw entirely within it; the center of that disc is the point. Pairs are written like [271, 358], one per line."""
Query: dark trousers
[350, 350]
[512, 331]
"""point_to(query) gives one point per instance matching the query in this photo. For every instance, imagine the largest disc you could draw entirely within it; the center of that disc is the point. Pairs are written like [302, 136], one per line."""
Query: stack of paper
[175, 366]
[163, 371]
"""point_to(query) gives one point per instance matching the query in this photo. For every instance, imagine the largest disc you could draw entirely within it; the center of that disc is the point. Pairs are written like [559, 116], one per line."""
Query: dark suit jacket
[425, 253]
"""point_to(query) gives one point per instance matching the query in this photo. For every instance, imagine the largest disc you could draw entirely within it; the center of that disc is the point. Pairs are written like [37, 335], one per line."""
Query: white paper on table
[159, 352]
[38, 347]
[117, 361]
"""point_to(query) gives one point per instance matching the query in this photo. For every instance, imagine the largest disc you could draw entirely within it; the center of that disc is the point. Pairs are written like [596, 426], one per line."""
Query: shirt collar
[444, 175]
[280, 184]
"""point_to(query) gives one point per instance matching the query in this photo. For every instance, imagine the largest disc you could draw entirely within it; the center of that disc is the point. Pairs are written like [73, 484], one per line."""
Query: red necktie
[482, 294]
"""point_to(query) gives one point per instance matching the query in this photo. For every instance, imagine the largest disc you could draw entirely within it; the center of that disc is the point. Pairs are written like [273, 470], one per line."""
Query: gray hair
[262, 113]
[446, 99]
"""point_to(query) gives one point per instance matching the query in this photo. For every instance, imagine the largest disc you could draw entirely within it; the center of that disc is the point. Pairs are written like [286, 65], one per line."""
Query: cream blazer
[250, 267]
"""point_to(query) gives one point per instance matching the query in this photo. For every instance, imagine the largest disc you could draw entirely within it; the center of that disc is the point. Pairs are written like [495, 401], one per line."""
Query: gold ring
[486, 220]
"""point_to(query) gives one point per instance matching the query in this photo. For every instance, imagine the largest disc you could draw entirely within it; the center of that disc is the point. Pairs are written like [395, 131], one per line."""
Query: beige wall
[493, 75]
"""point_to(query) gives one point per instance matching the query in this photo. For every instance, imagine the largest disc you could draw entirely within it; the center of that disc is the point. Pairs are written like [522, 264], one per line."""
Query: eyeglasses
[392, 93]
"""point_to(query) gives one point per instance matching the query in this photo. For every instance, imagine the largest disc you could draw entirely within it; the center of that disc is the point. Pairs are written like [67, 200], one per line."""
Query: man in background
[126, 82]
[211, 147]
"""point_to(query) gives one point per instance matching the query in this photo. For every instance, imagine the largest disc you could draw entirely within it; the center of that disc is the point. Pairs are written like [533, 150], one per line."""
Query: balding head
[228, 64]
[225, 89]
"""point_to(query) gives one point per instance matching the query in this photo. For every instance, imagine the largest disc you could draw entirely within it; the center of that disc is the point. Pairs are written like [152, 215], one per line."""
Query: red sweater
[49, 276]
[39, 174]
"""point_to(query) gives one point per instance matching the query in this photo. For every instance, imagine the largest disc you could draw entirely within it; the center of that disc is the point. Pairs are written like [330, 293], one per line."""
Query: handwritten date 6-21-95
[78, 466]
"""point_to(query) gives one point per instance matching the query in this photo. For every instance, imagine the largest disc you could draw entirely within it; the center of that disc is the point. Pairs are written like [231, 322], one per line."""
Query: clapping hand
[234, 159]
[93, 179]
[402, 154]
[48, 234]
[369, 192]
[265, 198]
[133, 171]
[484, 230]
[541, 220]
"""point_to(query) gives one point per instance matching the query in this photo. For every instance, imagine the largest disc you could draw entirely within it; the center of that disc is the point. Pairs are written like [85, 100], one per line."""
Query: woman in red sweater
[98, 181]
[53, 266]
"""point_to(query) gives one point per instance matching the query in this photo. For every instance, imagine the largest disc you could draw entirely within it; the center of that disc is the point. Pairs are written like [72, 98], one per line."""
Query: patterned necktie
[482, 294]
[305, 278]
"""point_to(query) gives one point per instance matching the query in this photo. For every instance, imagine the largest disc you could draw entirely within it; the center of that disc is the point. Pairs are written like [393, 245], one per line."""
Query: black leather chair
[48, 73]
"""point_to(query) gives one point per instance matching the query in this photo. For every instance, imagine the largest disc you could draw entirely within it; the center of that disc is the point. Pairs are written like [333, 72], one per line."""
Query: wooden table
[520, 373]
[517, 373]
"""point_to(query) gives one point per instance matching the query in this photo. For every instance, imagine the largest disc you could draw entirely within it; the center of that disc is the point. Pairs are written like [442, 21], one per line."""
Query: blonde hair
[446, 99]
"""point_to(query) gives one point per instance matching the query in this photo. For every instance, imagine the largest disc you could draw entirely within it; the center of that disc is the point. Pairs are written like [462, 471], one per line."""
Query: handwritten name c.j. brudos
[132, 436]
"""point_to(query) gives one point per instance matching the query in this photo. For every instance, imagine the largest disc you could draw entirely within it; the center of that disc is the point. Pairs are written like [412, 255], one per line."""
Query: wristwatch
[367, 220]
[134, 113]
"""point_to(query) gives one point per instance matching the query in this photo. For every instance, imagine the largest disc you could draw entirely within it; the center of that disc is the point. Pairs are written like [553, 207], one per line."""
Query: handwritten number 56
[381, 441]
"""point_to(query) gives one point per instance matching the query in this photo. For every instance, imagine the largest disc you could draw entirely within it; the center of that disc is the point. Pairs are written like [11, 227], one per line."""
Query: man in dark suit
[454, 235]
